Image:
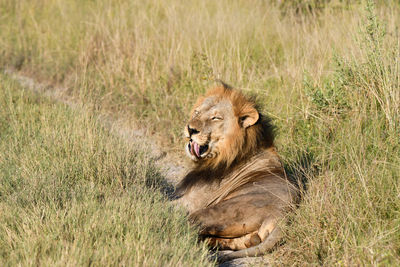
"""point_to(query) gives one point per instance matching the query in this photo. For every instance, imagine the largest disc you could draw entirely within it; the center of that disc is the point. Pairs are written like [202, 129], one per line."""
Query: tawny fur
[238, 192]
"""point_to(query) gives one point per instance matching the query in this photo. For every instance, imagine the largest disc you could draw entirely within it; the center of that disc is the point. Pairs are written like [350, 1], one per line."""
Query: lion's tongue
[196, 149]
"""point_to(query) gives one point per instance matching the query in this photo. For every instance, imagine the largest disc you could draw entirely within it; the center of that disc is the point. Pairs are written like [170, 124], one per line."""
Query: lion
[237, 192]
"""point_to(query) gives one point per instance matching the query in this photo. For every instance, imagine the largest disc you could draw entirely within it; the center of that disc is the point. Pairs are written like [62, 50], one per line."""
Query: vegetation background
[327, 73]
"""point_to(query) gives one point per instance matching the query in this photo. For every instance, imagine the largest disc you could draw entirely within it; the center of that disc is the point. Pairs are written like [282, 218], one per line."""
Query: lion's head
[225, 126]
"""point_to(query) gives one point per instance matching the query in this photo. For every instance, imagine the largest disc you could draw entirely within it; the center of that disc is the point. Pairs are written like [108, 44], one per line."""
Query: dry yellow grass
[72, 194]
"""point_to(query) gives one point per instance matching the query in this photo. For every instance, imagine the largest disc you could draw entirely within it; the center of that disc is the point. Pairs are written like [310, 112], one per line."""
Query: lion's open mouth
[196, 149]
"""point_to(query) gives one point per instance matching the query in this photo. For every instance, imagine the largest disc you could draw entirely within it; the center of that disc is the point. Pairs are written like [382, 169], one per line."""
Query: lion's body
[238, 191]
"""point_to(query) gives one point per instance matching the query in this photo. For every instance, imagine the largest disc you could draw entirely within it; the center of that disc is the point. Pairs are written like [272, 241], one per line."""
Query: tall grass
[350, 212]
[327, 72]
[151, 59]
[72, 194]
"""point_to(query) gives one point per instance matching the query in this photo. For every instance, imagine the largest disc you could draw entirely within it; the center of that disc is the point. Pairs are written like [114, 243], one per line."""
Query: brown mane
[243, 146]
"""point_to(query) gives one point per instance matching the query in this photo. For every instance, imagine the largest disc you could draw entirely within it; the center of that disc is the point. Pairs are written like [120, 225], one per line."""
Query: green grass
[327, 72]
[350, 212]
[72, 194]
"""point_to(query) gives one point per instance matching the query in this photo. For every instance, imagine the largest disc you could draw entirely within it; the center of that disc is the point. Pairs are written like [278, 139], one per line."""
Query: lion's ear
[249, 117]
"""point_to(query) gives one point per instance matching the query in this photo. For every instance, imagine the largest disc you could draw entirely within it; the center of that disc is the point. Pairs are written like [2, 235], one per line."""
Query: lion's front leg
[238, 243]
[245, 241]
[237, 223]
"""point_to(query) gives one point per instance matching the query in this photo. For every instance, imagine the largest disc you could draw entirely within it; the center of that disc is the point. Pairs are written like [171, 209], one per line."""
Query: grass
[72, 194]
[349, 214]
[327, 72]
[151, 60]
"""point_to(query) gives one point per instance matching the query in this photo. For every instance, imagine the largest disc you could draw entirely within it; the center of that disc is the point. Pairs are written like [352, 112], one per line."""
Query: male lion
[238, 191]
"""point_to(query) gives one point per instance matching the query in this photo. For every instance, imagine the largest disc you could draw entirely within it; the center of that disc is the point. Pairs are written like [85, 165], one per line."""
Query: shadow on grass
[301, 169]
[156, 180]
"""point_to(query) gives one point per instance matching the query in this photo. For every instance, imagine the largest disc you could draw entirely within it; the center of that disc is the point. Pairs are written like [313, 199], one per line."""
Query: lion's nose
[192, 131]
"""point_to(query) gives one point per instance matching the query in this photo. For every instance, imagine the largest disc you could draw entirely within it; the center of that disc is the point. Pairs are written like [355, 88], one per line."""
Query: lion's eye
[216, 118]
